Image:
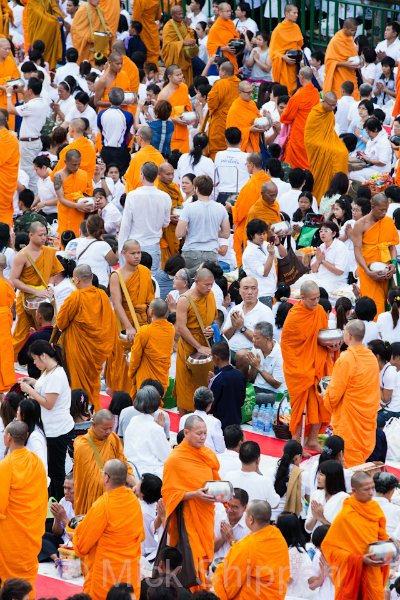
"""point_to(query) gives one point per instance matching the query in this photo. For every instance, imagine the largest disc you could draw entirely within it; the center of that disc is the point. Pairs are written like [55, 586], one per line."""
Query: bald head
[159, 308]
[16, 434]
[129, 244]
[309, 287]
[255, 159]
[116, 471]
[192, 421]
[227, 68]
[119, 47]
[203, 274]
[146, 133]
[166, 173]
[356, 329]
[223, 9]
[359, 479]
[306, 73]
[269, 191]
[379, 199]
[350, 24]
[73, 154]
[36, 226]
[78, 125]
[260, 512]
[331, 96]
[83, 273]
[248, 281]
[101, 416]
[114, 57]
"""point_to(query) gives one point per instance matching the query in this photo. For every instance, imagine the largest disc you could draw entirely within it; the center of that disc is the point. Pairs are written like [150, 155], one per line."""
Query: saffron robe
[242, 114]
[7, 372]
[88, 154]
[269, 213]
[396, 107]
[9, 163]
[220, 34]
[340, 49]
[148, 12]
[80, 31]
[8, 70]
[145, 154]
[169, 243]
[6, 17]
[75, 186]
[111, 10]
[41, 22]
[285, 36]
[173, 50]
[219, 101]
[180, 103]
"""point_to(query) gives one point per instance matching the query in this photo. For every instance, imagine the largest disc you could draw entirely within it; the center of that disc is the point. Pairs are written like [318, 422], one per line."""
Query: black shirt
[229, 389]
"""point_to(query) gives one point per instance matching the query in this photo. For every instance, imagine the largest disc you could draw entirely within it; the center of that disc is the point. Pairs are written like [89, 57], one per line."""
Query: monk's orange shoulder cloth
[340, 49]
[220, 34]
[242, 114]
[286, 36]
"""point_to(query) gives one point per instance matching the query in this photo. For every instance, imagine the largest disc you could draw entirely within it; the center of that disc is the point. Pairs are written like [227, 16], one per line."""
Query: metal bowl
[217, 561]
[395, 139]
[281, 228]
[74, 522]
[297, 55]
[327, 337]
[386, 551]
[221, 490]
[378, 267]
[197, 358]
[237, 45]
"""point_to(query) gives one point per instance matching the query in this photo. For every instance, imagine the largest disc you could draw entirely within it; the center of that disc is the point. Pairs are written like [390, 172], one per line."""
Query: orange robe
[295, 114]
[185, 470]
[247, 197]
[23, 509]
[75, 186]
[348, 539]
[109, 539]
[133, 73]
[375, 247]
[111, 10]
[48, 265]
[88, 154]
[326, 152]
[40, 22]
[7, 373]
[87, 323]
[148, 12]
[169, 243]
[396, 107]
[340, 49]
[6, 17]
[305, 362]
[269, 213]
[80, 31]
[220, 34]
[219, 101]
[8, 70]
[9, 163]
[145, 154]
[185, 385]
[173, 50]
[353, 399]
[255, 567]
[123, 80]
[242, 114]
[180, 102]
[89, 489]
[285, 36]
[151, 354]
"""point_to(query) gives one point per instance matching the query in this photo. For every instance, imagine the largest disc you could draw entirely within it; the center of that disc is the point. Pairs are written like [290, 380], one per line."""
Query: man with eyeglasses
[221, 33]
[242, 114]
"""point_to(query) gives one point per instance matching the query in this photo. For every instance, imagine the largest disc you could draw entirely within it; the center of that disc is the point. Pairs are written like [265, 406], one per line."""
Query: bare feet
[313, 445]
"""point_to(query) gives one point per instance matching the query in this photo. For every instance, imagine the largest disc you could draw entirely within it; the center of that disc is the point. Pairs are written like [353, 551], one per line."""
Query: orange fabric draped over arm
[180, 102]
[242, 114]
[43, 24]
[219, 101]
[169, 243]
[9, 163]
[396, 107]
[7, 372]
[340, 49]
[148, 12]
[285, 36]
[75, 186]
[145, 154]
[220, 34]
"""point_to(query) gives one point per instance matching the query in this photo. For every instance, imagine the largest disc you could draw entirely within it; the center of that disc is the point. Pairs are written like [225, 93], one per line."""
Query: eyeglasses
[247, 91]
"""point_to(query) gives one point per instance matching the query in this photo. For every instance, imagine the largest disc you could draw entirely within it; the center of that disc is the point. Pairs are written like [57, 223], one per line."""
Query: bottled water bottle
[260, 420]
[275, 411]
[267, 420]
[254, 417]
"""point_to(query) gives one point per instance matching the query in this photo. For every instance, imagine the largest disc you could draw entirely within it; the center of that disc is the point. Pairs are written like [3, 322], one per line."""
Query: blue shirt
[162, 134]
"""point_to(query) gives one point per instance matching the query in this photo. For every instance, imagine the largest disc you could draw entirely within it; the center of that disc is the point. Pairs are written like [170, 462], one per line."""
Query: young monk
[222, 32]
[146, 153]
[286, 36]
[84, 146]
[176, 92]
[337, 66]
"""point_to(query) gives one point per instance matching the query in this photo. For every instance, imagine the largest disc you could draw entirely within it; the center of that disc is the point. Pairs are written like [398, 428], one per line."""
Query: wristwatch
[243, 329]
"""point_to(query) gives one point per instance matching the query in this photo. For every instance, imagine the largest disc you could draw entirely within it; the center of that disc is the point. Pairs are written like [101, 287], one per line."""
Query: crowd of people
[199, 237]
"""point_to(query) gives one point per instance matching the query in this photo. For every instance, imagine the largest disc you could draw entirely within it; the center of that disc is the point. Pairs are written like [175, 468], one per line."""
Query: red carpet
[47, 587]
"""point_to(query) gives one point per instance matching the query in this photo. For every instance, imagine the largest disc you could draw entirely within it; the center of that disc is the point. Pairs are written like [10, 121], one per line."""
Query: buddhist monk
[148, 12]
[221, 33]
[7, 297]
[8, 71]
[23, 506]
[169, 243]
[176, 92]
[248, 195]
[337, 66]
[109, 537]
[71, 184]
[295, 115]
[286, 36]
[6, 17]
[31, 273]
[179, 44]
[112, 76]
[257, 565]
[355, 570]
[42, 20]
[76, 129]
[305, 362]
[241, 114]
[186, 469]
[375, 239]
[266, 207]
[91, 452]
[353, 396]
[146, 153]
[87, 324]
[192, 336]
[88, 19]
[130, 69]
[111, 10]
[9, 162]
[326, 153]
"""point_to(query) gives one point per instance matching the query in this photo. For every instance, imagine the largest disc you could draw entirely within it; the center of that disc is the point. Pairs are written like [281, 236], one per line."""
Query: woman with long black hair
[195, 161]
[29, 412]
[288, 480]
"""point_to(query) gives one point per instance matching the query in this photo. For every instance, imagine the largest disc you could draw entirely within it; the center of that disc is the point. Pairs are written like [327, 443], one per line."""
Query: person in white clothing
[95, 252]
[326, 501]
[389, 322]
[194, 161]
[289, 201]
[320, 578]
[148, 491]
[63, 512]
[201, 30]
[46, 199]
[107, 211]
[82, 110]
[274, 169]
[230, 524]
[195, 13]
[365, 310]
[230, 166]
[6, 248]
[390, 45]
[378, 152]
[266, 363]
[203, 400]
[243, 22]
[71, 67]
[345, 103]
[29, 412]
[385, 486]
[285, 484]
[229, 460]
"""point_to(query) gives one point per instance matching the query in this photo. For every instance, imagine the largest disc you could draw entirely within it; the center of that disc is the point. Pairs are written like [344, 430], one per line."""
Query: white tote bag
[392, 432]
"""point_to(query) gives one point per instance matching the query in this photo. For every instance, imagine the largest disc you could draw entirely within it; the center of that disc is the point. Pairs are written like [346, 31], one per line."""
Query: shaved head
[260, 510]
[83, 272]
[248, 281]
[117, 471]
[129, 243]
[78, 125]
[307, 73]
[330, 96]
[227, 67]
[18, 430]
[71, 154]
[166, 173]
[102, 415]
[269, 190]
[223, 6]
[255, 159]
[379, 199]
[114, 57]
[192, 421]
[159, 308]
[356, 328]
[119, 47]
[359, 478]
[146, 133]
[350, 23]
[36, 226]
[203, 274]
[308, 288]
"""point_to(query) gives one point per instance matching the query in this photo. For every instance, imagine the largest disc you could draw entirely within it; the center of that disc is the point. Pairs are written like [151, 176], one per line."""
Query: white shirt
[203, 54]
[128, 413]
[337, 255]
[114, 127]
[300, 572]
[228, 461]
[147, 210]
[393, 50]
[95, 257]
[112, 218]
[145, 445]
[394, 405]
[70, 68]
[249, 24]
[205, 166]
[254, 259]
[65, 107]
[149, 512]
[116, 189]
[89, 113]
[379, 149]
[371, 332]
[331, 507]
[9, 253]
[194, 19]
[230, 256]
[273, 365]
[327, 590]
[260, 312]
[204, 219]
[69, 510]
[230, 170]
[215, 439]
[258, 487]
[37, 444]
[344, 105]
[58, 420]
[282, 186]
[46, 191]
[34, 113]
[240, 530]
[62, 290]
[391, 512]
[369, 72]
[387, 331]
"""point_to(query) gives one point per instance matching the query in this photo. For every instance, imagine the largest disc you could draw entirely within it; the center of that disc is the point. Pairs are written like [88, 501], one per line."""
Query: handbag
[392, 432]
[290, 267]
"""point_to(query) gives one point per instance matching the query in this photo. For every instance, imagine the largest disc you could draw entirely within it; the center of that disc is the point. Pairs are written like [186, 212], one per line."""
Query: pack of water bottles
[263, 417]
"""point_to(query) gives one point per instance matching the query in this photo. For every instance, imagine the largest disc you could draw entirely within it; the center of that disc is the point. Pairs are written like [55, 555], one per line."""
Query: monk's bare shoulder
[363, 224]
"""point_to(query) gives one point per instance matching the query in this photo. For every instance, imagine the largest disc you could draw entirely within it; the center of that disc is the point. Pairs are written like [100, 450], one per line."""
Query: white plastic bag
[392, 432]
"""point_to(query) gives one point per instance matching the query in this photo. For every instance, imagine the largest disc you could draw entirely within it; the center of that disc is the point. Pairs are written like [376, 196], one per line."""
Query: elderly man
[356, 572]
[62, 512]
[179, 44]
[221, 33]
[353, 396]
[230, 526]
[258, 565]
[286, 36]
[7, 297]
[9, 162]
[219, 101]
[146, 153]
[79, 142]
[186, 469]
[88, 328]
[241, 114]
[91, 452]
[305, 362]
[375, 238]
[169, 242]
[115, 126]
[338, 68]
[266, 206]
[23, 506]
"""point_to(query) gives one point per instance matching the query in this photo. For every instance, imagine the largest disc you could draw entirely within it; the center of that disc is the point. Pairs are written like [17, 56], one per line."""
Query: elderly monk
[186, 469]
[71, 184]
[23, 506]
[286, 36]
[305, 362]
[8, 70]
[356, 572]
[76, 129]
[42, 20]
[89, 18]
[295, 115]
[265, 208]
[152, 348]
[179, 44]
[375, 238]
[176, 92]
[337, 66]
[148, 12]
[31, 273]
[248, 195]
[109, 537]
[326, 153]
[219, 100]
[9, 162]
[91, 452]
[353, 396]
[88, 327]
[258, 565]
[146, 153]
[7, 297]
[169, 243]
[131, 290]
[241, 114]
[221, 33]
